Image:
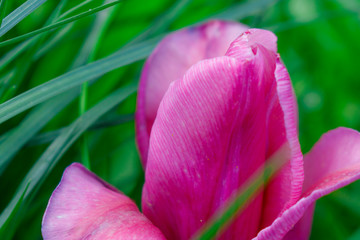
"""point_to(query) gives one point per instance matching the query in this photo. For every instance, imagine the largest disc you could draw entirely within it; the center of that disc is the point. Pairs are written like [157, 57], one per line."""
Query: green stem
[90, 48]
[83, 97]
[85, 158]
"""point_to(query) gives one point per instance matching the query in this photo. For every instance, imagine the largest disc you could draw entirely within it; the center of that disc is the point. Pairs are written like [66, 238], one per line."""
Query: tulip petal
[244, 47]
[174, 55]
[285, 189]
[85, 207]
[333, 163]
[209, 136]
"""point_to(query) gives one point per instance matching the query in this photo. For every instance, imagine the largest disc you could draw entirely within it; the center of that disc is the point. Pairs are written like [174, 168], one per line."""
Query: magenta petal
[244, 47]
[333, 163]
[85, 207]
[174, 55]
[209, 136]
[285, 189]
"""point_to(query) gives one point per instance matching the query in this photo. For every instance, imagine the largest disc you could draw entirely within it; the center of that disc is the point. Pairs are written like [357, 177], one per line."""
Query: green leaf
[100, 67]
[59, 23]
[32, 124]
[242, 10]
[347, 200]
[85, 157]
[49, 136]
[53, 41]
[74, 9]
[23, 64]
[226, 215]
[19, 14]
[86, 55]
[5, 82]
[3, 5]
[4, 227]
[61, 144]
[75, 78]
[57, 11]
[44, 48]
[164, 21]
[12, 54]
[355, 235]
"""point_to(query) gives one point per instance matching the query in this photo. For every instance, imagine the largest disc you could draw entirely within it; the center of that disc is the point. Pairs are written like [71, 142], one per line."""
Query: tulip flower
[214, 103]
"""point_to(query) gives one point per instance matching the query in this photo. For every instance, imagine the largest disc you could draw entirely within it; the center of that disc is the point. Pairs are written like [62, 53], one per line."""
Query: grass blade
[4, 228]
[347, 200]
[86, 55]
[16, 51]
[100, 67]
[5, 82]
[19, 14]
[47, 137]
[85, 156]
[355, 235]
[3, 4]
[242, 10]
[59, 23]
[53, 41]
[19, 49]
[163, 21]
[61, 144]
[23, 65]
[75, 78]
[223, 218]
[74, 9]
[31, 125]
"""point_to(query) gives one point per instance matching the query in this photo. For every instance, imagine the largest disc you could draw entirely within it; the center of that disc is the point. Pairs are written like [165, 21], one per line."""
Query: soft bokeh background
[319, 41]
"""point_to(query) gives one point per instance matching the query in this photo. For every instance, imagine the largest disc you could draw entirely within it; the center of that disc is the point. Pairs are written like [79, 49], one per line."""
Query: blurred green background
[319, 41]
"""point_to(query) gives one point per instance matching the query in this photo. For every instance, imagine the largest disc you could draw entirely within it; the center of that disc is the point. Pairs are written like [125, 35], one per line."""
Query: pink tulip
[212, 108]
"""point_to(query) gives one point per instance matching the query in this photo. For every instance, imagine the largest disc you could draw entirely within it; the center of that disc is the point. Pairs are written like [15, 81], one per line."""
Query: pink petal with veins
[174, 55]
[334, 162]
[285, 189]
[209, 136]
[85, 207]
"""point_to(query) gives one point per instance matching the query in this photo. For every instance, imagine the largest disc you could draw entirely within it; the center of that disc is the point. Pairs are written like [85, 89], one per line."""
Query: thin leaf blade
[61, 144]
[59, 23]
[74, 78]
[19, 14]
[4, 227]
[31, 125]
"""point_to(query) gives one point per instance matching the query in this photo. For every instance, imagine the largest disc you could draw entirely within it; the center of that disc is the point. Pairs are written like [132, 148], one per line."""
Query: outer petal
[209, 136]
[285, 189]
[332, 163]
[85, 207]
[174, 55]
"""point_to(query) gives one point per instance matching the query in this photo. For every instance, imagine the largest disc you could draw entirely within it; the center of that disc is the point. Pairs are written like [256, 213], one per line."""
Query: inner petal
[174, 55]
[208, 138]
[285, 189]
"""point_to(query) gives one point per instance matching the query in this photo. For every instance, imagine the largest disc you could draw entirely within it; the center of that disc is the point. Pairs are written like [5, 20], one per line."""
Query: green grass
[50, 50]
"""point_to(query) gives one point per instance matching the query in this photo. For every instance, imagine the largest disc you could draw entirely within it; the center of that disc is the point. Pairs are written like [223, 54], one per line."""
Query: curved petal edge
[173, 56]
[334, 162]
[85, 207]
